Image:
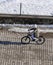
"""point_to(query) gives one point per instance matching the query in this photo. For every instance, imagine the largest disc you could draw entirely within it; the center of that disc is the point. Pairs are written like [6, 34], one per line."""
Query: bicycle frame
[28, 35]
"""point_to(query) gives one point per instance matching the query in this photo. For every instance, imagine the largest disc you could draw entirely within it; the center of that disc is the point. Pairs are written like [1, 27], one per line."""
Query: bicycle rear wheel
[40, 40]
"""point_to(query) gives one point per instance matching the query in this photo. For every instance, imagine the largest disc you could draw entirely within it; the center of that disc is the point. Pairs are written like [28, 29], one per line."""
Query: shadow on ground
[15, 43]
[9, 42]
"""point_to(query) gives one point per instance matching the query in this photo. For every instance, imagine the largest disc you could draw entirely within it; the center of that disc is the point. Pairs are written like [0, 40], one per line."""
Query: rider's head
[35, 26]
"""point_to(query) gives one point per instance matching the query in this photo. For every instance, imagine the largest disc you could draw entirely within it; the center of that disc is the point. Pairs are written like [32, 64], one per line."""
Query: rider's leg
[32, 36]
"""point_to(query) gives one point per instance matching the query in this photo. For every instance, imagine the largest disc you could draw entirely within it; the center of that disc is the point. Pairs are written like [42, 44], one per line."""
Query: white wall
[30, 7]
[9, 7]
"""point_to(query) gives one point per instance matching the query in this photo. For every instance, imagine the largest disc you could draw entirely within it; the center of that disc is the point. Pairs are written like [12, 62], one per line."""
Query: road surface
[12, 52]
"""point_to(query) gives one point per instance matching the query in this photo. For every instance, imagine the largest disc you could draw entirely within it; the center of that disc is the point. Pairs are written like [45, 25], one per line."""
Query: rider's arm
[32, 29]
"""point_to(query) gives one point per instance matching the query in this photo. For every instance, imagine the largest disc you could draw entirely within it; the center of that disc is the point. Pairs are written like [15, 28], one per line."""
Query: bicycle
[26, 39]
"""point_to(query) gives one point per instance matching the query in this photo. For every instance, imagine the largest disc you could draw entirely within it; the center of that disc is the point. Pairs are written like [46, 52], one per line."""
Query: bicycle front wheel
[25, 40]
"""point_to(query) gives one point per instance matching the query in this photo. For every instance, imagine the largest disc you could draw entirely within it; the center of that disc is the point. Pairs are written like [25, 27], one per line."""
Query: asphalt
[13, 52]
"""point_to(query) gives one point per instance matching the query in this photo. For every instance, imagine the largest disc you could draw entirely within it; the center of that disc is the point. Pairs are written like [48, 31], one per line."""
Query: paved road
[12, 52]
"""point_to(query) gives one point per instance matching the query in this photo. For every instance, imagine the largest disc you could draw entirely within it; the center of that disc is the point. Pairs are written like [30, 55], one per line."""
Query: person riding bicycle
[33, 35]
[33, 32]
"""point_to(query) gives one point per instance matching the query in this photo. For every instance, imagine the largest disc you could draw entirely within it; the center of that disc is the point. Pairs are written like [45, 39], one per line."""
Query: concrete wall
[29, 7]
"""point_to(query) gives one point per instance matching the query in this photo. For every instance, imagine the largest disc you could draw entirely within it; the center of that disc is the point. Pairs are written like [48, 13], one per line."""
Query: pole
[20, 8]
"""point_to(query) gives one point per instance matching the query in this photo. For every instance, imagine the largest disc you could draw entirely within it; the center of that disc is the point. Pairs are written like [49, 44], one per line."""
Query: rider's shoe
[33, 40]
